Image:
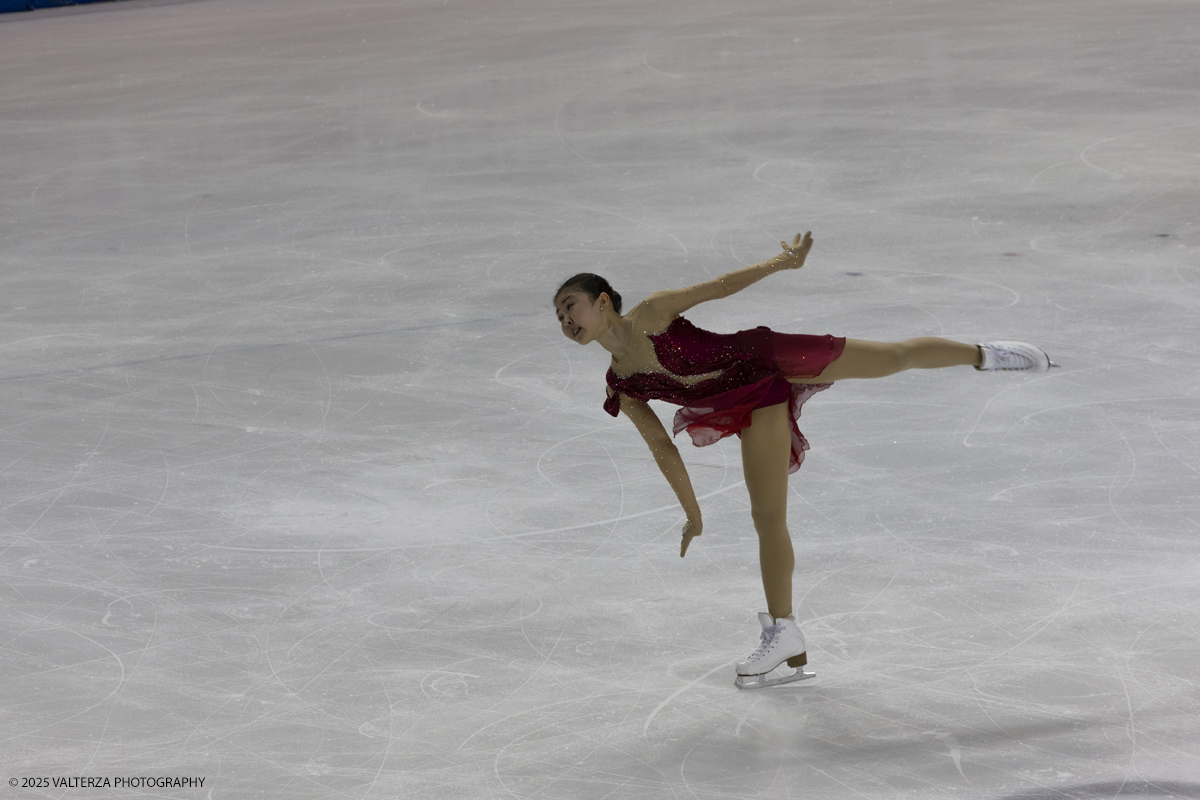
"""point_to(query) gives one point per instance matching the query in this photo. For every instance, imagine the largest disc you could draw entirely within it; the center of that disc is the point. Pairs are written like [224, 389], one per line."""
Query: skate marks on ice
[237, 349]
[1107, 789]
[780, 676]
[676, 693]
[365, 632]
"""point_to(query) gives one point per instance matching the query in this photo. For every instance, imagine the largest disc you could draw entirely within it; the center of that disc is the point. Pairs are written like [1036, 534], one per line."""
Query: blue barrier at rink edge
[30, 5]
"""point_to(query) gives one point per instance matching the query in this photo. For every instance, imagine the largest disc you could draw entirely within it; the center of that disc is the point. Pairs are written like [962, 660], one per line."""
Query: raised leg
[863, 359]
[766, 447]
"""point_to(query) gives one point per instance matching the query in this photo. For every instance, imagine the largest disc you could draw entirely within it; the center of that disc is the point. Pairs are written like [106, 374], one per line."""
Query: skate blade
[775, 678]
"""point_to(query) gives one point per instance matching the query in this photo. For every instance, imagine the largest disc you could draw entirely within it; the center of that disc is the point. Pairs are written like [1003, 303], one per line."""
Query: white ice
[305, 493]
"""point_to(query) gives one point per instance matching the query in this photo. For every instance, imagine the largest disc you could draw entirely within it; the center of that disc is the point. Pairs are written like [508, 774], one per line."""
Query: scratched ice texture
[305, 493]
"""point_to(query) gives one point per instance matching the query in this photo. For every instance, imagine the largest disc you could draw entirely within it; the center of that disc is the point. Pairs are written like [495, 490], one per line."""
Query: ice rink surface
[305, 493]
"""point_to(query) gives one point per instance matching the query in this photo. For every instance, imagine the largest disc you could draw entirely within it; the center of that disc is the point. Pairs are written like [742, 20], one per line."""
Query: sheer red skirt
[729, 413]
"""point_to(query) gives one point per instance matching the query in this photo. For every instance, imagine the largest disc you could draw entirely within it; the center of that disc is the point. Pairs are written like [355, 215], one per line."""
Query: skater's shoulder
[650, 319]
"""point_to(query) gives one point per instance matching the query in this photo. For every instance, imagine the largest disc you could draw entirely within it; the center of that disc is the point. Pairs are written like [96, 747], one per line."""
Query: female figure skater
[751, 383]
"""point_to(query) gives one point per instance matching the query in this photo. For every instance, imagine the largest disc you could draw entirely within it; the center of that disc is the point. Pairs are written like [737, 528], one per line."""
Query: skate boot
[782, 642]
[1013, 357]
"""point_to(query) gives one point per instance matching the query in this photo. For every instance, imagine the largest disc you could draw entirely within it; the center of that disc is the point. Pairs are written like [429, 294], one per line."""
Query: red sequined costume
[754, 366]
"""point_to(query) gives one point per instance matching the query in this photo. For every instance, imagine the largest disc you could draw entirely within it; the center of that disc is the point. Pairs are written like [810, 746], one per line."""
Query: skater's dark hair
[593, 286]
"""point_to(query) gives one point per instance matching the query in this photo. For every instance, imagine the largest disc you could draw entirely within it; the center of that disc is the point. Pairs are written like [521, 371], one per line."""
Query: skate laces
[1012, 358]
[766, 640]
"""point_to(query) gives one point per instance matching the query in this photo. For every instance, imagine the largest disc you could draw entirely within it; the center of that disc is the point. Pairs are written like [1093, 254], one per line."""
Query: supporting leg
[863, 359]
[766, 447]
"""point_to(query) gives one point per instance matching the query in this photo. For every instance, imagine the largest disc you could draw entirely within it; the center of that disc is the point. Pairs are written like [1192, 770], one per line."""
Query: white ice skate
[782, 643]
[1013, 357]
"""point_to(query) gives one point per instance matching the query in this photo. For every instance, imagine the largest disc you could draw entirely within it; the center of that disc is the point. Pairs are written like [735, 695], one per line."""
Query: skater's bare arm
[666, 455]
[672, 303]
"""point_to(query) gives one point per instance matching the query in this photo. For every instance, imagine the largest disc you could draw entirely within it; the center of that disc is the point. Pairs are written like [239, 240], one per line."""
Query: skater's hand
[795, 253]
[691, 529]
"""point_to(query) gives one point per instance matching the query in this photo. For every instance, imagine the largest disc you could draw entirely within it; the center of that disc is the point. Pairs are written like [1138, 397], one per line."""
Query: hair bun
[593, 286]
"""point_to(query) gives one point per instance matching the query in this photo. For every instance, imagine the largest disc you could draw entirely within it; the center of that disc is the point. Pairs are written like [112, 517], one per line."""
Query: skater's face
[579, 315]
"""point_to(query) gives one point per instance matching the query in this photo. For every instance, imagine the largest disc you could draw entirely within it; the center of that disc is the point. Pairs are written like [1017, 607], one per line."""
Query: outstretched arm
[669, 462]
[672, 303]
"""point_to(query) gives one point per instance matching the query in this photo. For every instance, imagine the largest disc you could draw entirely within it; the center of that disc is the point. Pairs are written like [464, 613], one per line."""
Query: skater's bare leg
[863, 359]
[766, 449]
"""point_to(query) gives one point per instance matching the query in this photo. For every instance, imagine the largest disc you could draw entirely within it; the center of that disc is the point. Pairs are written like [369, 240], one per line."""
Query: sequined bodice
[696, 363]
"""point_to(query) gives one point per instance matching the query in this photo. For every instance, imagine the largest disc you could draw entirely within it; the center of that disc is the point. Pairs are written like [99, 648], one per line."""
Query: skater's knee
[769, 523]
[904, 355]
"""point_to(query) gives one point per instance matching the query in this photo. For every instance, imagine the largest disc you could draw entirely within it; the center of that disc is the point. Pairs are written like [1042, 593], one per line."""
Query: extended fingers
[804, 246]
[800, 242]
